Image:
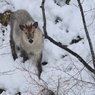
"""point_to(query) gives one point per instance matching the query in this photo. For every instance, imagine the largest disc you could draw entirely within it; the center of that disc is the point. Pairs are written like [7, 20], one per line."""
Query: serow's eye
[33, 33]
[25, 32]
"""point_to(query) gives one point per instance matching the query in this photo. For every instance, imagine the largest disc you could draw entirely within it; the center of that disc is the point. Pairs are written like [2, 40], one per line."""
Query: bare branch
[58, 86]
[44, 18]
[87, 33]
[60, 45]
[10, 72]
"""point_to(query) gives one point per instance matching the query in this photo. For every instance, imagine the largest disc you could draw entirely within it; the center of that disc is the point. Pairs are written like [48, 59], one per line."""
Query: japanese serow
[27, 36]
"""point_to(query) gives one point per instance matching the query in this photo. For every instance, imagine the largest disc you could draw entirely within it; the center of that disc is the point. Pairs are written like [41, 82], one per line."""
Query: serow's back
[21, 17]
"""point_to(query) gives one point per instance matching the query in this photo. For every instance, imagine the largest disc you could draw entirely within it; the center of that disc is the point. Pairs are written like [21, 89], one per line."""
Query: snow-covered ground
[63, 74]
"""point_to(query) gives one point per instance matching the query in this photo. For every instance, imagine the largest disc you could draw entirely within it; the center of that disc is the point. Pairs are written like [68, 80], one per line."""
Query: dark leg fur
[18, 48]
[39, 67]
[24, 55]
[12, 45]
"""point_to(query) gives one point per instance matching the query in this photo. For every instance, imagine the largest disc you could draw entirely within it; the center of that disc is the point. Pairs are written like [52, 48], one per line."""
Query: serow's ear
[21, 27]
[35, 24]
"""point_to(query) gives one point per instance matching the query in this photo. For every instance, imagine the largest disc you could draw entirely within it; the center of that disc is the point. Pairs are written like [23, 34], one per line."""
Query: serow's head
[29, 30]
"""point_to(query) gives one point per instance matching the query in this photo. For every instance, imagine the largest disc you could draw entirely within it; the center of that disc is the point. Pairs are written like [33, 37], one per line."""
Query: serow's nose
[30, 41]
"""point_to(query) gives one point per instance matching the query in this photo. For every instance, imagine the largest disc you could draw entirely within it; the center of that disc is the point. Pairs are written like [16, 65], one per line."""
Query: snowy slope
[63, 74]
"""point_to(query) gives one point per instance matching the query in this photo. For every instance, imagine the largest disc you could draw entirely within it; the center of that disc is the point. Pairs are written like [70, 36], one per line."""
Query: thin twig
[58, 86]
[60, 45]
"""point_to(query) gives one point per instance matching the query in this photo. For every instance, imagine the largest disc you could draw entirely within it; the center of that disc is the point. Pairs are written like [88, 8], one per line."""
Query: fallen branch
[60, 45]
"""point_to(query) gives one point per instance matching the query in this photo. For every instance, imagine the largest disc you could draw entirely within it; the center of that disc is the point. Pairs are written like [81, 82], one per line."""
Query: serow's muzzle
[30, 41]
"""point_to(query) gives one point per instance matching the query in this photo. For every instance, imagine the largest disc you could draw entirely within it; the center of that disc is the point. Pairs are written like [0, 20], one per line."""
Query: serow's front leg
[24, 55]
[38, 59]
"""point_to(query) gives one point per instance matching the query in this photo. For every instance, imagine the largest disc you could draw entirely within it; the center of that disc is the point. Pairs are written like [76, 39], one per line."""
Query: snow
[63, 74]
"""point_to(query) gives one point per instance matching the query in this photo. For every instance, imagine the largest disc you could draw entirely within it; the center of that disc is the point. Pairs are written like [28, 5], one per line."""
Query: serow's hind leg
[38, 59]
[12, 45]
